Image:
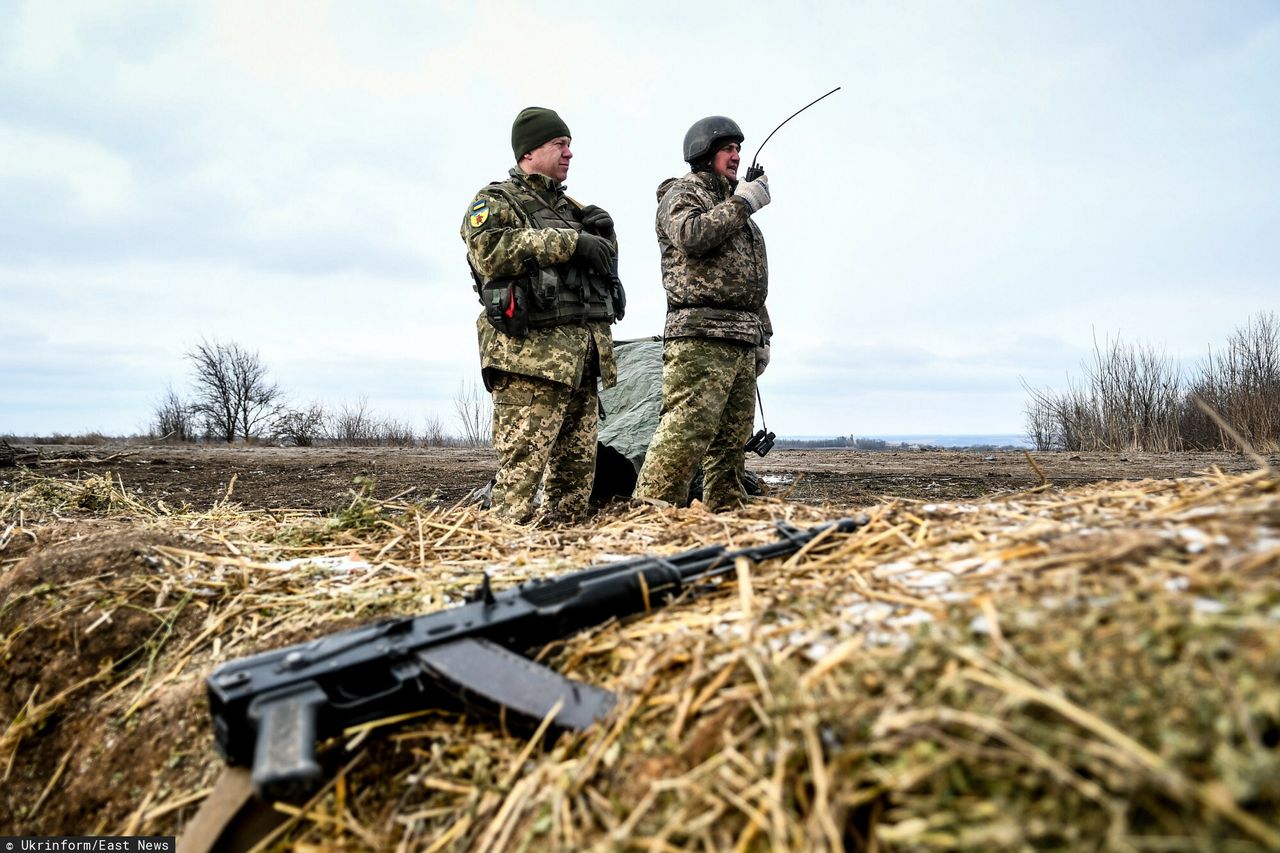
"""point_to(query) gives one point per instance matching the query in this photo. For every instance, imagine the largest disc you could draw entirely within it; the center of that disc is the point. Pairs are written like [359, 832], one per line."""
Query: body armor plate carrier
[542, 297]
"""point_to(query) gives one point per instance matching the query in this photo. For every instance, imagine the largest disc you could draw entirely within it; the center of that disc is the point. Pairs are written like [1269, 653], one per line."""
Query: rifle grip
[284, 758]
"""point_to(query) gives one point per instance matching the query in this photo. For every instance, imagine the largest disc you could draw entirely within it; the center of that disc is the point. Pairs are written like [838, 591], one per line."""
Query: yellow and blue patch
[479, 212]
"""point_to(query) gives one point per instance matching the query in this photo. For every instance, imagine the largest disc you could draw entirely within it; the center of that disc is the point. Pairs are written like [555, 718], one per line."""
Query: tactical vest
[542, 297]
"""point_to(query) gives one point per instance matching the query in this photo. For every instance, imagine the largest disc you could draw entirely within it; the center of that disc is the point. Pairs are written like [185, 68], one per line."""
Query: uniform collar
[714, 182]
[538, 183]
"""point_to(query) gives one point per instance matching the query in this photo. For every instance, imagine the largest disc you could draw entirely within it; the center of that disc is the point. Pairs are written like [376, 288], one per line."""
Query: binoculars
[760, 443]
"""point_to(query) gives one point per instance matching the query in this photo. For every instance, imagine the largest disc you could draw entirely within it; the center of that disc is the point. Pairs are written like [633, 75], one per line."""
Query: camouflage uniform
[545, 406]
[716, 275]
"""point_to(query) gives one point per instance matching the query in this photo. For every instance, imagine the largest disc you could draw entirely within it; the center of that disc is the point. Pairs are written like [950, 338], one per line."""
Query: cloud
[51, 386]
[992, 185]
[95, 184]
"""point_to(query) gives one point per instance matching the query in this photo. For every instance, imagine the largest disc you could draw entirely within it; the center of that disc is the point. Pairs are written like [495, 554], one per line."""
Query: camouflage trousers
[545, 432]
[708, 409]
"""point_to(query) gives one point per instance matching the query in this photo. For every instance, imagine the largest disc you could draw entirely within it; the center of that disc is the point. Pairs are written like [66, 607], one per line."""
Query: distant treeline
[851, 442]
[1133, 397]
[231, 397]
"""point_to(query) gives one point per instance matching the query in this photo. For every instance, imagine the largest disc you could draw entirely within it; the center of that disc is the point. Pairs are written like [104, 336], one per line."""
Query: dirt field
[322, 479]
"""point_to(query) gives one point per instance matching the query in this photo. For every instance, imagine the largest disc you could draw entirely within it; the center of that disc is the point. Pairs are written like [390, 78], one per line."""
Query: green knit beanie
[533, 127]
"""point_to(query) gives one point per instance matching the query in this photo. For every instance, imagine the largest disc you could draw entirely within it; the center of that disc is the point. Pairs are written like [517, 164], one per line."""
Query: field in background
[324, 478]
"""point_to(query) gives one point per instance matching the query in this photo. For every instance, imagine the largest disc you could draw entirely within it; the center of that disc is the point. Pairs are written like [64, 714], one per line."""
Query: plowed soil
[324, 478]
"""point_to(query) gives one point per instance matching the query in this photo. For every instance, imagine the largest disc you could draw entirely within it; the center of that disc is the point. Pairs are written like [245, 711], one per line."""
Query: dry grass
[1093, 668]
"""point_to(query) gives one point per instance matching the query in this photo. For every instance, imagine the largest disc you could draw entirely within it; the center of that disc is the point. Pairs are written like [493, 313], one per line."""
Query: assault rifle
[270, 709]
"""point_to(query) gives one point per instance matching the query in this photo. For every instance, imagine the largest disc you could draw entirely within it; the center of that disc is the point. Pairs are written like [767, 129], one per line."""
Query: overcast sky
[996, 184]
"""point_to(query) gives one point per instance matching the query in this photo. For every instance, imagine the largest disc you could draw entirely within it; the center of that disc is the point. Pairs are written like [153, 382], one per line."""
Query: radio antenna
[779, 127]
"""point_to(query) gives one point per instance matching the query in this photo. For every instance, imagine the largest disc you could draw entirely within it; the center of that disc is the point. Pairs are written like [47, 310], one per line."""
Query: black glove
[597, 220]
[595, 252]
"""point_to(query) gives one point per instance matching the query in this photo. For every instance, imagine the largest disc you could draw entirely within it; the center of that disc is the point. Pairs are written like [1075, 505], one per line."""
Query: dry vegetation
[1134, 397]
[1095, 667]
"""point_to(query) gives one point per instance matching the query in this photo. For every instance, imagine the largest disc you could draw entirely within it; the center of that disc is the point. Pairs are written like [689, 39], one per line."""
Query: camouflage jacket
[499, 236]
[714, 266]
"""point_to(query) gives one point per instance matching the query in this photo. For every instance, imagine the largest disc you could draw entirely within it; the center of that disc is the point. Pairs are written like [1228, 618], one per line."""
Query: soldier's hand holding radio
[754, 193]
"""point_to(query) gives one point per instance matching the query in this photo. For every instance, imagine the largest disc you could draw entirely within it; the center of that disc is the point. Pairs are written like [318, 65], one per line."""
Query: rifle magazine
[479, 669]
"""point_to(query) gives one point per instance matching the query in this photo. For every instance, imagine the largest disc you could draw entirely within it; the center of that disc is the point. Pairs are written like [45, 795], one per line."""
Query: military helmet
[705, 132]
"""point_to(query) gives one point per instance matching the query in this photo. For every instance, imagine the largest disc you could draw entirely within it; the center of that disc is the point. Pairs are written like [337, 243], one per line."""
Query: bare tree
[354, 424]
[1134, 397]
[301, 427]
[394, 433]
[434, 433]
[357, 424]
[174, 418]
[1129, 399]
[234, 397]
[1243, 384]
[474, 410]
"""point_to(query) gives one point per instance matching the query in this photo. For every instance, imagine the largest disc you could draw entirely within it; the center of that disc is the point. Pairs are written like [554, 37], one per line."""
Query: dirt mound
[62, 619]
[85, 617]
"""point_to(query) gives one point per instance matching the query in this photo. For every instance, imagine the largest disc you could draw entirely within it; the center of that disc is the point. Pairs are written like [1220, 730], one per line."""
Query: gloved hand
[597, 220]
[754, 193]
[762, 359]
[595, 252]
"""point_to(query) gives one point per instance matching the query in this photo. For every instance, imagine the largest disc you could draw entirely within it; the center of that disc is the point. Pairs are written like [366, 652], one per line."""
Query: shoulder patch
[479, 212]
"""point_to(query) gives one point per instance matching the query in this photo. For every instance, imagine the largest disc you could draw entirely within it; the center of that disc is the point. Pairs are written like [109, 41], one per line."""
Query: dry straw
[1096, 667]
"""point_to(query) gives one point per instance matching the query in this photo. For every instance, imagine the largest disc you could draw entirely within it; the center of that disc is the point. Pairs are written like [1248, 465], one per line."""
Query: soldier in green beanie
[545, 269]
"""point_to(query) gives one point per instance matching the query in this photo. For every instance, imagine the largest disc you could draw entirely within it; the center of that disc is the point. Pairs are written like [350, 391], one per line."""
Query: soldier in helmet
[545, 268]
[717, 331]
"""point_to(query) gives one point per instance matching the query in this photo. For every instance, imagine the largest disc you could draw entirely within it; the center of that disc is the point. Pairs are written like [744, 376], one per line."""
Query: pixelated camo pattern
[543, 429]
[708, 408]
[499, 244]
[714, 266]
[497, 247]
